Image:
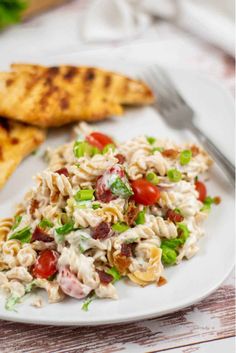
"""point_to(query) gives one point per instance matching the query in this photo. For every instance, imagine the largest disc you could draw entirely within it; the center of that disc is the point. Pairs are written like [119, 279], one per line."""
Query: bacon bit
[121, 262]
[217, 200]
[126, 250]
[63, 171]
[34, 204]
[105, 278]
[170, 153]
[120, 158]
[161, 282]
[195, 150]
[174, 216]
[102, 231]
[40, 234]
[131, 213]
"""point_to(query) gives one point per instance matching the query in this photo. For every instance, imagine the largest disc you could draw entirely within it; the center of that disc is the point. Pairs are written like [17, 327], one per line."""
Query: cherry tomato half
[145, 192]
[99, 140]
[201, 189]
[46, 264]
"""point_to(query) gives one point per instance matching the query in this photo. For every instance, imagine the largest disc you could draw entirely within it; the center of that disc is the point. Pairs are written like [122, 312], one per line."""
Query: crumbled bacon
[170, 153]
[120, 158]
[105, 278]
[131, 213]
[40, 234]
[34, 204]
[217, 200]
[121, 262]
[63, 171]
[102, 231]
[126, 250]
[161, 281]
[174, 216]
[195, 150]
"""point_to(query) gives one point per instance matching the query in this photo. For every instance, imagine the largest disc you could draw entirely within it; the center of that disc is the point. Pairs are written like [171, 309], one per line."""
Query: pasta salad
[102, 211]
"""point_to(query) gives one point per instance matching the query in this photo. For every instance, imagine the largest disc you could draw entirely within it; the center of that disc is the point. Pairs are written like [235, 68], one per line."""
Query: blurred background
[194, 34]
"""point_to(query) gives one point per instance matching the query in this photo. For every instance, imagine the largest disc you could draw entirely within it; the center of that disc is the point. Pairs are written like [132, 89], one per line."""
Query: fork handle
[227, 167]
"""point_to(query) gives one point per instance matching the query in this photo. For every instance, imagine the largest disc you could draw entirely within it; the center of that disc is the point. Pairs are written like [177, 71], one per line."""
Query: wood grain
[211, 319]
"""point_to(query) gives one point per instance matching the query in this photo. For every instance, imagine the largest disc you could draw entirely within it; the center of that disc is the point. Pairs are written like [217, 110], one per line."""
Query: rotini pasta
[102, 211]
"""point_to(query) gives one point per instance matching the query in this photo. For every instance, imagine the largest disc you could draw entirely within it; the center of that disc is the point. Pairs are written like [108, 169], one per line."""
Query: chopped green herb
[174, 175]
[159, 149]
[11, 302]
[24, 235]
[119, 188]
[140, 218]
[185, 157]
[114, 273]
[168, 255]
[153, 178]
[45, 223]
[84, 195]
[16, 222]
[30, 286]
[87, 302]
[65, 229]
[95, 206]
[120, 227]
[151, 140]
[108, 147]
[177, 210]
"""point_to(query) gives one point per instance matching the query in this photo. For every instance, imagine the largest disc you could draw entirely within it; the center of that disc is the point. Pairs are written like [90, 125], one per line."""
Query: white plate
[188, 282]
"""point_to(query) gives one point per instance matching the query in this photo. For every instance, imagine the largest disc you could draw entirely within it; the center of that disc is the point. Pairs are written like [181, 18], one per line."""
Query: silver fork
[179, 115]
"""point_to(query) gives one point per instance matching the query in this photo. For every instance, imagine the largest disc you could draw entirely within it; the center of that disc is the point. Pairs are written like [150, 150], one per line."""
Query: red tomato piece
[201, 189]
[99, 140]
[145, 192]
[46, 264]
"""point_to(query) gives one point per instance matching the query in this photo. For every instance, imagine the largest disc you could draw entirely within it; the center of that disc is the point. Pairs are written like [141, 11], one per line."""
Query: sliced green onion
[183, 231]
[108, 147]
[65, 229]
[120, 227]
[185, 157]
[151, 140]
[114, 273]
[83, 148]
[172, 243]
[177, 210]
[159, 149]
[24, 235]
[153, 178]
[208, 200]
[140, 218]
[95, 206]
[119, 188]
[16, 222]
[45, 223]
[169, 255]
[174, 175]
[84, 195]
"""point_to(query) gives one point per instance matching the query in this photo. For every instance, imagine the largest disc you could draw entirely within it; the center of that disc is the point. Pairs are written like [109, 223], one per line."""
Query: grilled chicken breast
[54, 96]
[17, 140]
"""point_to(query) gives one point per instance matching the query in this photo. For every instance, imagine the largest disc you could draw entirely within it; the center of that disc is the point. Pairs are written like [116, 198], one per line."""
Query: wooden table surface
[207, 327]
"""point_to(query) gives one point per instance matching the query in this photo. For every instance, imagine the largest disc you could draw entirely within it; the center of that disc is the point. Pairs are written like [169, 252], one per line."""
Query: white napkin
[108, 20]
